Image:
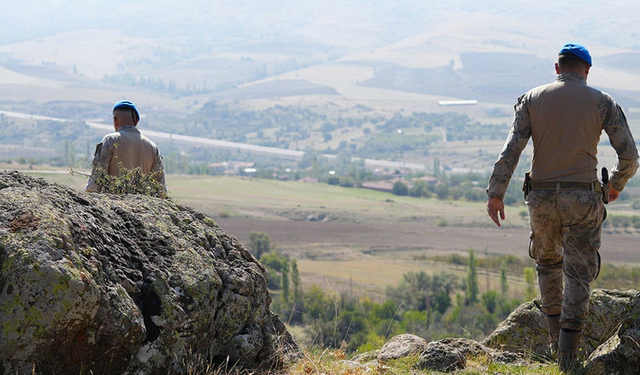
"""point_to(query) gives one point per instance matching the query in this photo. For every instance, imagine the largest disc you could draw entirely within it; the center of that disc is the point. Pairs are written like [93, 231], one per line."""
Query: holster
[605, 193]
[526, 186]
[605, 185]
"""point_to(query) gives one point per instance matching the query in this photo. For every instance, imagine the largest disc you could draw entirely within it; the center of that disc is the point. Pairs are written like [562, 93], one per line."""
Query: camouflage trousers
[565, 236]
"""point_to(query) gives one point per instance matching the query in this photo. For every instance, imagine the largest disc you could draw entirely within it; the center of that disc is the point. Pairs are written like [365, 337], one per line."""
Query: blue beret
[578, 50]
[125, 104]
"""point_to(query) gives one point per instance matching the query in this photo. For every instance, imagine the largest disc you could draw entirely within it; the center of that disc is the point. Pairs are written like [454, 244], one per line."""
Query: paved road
[214, 143]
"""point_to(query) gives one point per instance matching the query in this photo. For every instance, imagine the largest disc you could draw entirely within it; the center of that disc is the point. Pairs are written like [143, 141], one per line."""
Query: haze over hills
[397, 54]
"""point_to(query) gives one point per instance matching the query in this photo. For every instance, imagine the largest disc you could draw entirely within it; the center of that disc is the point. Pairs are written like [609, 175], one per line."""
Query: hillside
[132, 252]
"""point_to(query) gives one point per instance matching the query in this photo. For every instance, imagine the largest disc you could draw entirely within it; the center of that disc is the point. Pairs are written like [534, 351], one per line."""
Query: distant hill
[378, 52]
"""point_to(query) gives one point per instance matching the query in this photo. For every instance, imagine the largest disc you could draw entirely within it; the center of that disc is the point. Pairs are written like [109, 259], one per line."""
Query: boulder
[473, 348]
[445, 355]
[111, 284]
[402, 346]
[525, 329]
[618, 355]
[608, 311]
[440, 356]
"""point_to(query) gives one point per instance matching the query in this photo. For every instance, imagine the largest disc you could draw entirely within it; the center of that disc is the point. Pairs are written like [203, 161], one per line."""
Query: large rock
[108, 284]
[440, 356]
[620, 353]
[402, 346]
[525, 330]
[446, 355]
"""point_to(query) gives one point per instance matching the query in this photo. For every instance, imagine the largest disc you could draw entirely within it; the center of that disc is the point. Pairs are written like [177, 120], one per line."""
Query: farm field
[358, 240]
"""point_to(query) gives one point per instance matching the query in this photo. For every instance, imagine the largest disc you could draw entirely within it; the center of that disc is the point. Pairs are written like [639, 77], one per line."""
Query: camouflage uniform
[565, 120]
[129, 149]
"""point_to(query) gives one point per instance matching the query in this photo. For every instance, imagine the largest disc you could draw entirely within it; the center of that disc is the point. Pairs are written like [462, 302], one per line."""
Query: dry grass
[335, 362]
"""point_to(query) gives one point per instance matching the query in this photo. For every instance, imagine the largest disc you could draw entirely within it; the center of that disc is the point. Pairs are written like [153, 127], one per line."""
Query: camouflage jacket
[125, 148]
[565, 120]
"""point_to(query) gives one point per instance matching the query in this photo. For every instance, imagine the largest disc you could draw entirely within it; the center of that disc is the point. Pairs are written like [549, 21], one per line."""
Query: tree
[490, 300]
[259, 243]
[298, 296]
[400, 188]
[285, 281]
[504, 284]
[421, 292]
[419, 189]
[529, 278]
[274, 263]
[333, 180]
[68, 154]
[472, 279]
[320, 305]
[442, 190]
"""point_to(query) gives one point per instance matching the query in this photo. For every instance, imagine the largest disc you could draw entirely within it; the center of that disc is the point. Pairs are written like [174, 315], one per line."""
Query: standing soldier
[565, 120]
[125, 148]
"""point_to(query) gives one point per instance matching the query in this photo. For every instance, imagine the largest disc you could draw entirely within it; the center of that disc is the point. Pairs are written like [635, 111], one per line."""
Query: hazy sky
[383, 20]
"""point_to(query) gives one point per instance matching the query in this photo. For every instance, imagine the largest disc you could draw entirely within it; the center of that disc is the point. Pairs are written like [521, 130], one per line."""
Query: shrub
[131, 181]
[400, 188]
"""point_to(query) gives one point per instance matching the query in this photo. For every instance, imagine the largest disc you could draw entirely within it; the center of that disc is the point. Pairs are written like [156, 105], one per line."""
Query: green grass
[260, 198]
[273, 199]
[333, 362]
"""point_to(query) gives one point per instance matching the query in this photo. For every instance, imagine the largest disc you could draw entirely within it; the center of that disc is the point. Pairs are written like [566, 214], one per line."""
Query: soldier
[565, 120]
[125, 148]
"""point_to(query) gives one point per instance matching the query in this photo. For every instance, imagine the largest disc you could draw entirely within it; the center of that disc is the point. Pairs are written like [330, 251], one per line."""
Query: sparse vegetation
[318, 361]
[131, 181]
[259, 244]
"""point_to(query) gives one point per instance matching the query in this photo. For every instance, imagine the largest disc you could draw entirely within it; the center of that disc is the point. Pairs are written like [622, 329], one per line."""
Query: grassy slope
[331, 362]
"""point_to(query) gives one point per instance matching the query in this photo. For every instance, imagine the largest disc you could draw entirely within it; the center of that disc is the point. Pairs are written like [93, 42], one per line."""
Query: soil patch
[296, 237]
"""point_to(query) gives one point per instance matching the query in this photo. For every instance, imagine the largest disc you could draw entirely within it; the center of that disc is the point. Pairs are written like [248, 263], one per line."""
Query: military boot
[568, 351]
[553, 323]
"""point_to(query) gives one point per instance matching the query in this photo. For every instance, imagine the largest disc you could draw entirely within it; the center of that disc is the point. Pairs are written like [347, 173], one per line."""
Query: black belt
[558, 185]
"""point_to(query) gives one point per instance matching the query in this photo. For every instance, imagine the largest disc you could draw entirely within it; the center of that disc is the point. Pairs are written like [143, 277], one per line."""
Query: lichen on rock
[525, 329]
[108, 284]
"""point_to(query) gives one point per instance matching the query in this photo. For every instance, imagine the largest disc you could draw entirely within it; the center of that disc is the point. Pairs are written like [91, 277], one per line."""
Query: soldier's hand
[495, 206]
[613, 193]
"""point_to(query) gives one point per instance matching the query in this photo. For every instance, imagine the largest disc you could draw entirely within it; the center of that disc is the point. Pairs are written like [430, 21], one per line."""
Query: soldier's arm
[508, 160]
[159, 169]
[101, 160]
[616, 126]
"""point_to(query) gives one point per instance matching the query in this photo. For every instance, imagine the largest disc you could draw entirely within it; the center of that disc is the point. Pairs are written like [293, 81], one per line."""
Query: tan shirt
[129, 149]
[565, 128]
[565, 119]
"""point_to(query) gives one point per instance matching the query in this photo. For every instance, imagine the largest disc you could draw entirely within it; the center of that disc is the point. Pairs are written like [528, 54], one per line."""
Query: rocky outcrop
[446, 355]
[441, 357]
[108, 284]
[620, 354]
[525, 329]
[610, 340]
